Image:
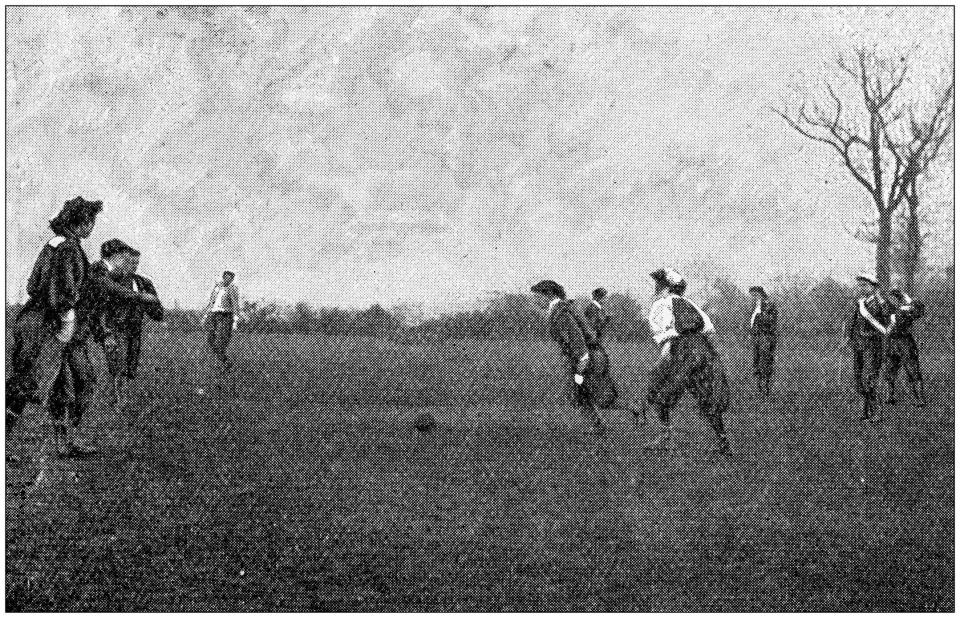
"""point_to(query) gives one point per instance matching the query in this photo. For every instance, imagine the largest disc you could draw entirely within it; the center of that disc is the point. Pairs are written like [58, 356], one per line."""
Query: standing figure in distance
[688, 360]
[122, 298]
[574, 340]
[221, 314]
[865, 333]
[902, 347]
[763, 331]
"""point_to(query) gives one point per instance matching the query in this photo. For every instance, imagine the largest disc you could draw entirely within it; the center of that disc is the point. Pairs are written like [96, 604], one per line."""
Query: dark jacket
[58, 279]
[686, 319]
[766, 320]
[109, 300]
[903, 318]
[567, 329]
[597, 319]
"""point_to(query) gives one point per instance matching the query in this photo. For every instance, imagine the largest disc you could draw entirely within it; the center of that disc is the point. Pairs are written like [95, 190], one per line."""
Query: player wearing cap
[57, 311]
[866, 329]
[221, 315]
[902, 347]
[120, 297]
[574, 339]
[763, 332]
[687, 361]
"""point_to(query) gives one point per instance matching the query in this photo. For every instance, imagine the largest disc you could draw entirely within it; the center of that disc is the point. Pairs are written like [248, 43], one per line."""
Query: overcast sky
[352, 156]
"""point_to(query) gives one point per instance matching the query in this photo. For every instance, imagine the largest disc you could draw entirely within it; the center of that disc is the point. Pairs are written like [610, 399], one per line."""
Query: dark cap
[549, 288]
[115, 246]
[75, 212]
[756, 289]
[867, 279]
[600, 293]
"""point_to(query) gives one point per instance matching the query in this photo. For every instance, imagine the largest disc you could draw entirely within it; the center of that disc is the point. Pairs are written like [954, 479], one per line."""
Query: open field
[298, 483]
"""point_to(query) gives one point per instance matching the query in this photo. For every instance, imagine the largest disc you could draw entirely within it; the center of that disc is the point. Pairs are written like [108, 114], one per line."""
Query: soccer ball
[424, 422]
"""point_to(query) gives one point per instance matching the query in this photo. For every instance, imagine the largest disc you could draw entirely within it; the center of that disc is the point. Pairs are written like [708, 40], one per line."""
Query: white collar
[109, 266]
[594, 301]
[554, 303]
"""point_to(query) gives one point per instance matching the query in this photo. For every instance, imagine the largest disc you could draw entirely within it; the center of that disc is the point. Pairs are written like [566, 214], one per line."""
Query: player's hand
[582, 363]
[148, 298]
[68, 326]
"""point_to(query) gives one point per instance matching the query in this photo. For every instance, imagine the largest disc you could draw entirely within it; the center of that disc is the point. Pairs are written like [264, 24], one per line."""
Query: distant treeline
[805, 307]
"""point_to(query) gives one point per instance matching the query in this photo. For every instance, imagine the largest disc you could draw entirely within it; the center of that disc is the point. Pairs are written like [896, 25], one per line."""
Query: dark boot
[11, 420]
[61, 445]
[723, 446]
[870, 409]
[891, 392]
[596, 425]
[919, 397]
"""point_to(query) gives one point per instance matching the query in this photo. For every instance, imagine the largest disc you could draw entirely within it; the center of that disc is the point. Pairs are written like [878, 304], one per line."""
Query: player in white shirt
[221, 315]
[688, 360]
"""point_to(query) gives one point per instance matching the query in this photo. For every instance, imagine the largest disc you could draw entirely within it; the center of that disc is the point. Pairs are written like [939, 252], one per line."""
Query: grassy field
[298, 483]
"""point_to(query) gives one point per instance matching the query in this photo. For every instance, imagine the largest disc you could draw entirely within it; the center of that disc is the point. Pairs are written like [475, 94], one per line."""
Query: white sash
[869, 317]
[756, 312]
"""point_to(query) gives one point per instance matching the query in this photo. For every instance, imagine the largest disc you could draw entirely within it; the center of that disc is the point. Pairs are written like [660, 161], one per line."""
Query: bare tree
[918, 148]
[858, 135]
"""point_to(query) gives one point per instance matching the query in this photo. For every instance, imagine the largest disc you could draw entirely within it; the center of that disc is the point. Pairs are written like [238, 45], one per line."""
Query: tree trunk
[911, 262]
[884, 216]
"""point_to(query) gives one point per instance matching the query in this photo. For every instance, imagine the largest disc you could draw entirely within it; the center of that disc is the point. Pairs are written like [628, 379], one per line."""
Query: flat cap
[549, 288]
[114, 246]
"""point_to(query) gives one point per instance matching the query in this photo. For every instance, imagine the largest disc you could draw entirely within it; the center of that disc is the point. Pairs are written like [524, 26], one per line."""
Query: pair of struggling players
[880, 331]
[687, 361]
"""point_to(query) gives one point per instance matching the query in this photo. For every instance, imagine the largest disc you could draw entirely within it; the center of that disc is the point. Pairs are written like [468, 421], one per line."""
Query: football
[425, 422]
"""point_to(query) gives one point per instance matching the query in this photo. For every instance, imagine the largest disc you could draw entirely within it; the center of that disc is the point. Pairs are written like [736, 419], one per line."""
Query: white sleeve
[661, 321]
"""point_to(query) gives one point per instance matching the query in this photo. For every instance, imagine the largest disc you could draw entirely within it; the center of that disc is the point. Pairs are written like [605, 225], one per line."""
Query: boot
[723, 446]
[870, 410]
[61, 444]
[663, 441]
[596, 425]
[77, 447]
[121, 388]
[639, 415]
[11, 459]
[919, 397]
[892, 392]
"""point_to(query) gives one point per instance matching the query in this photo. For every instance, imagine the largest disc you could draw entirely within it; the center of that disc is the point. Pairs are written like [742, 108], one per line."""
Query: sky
[434, 156]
